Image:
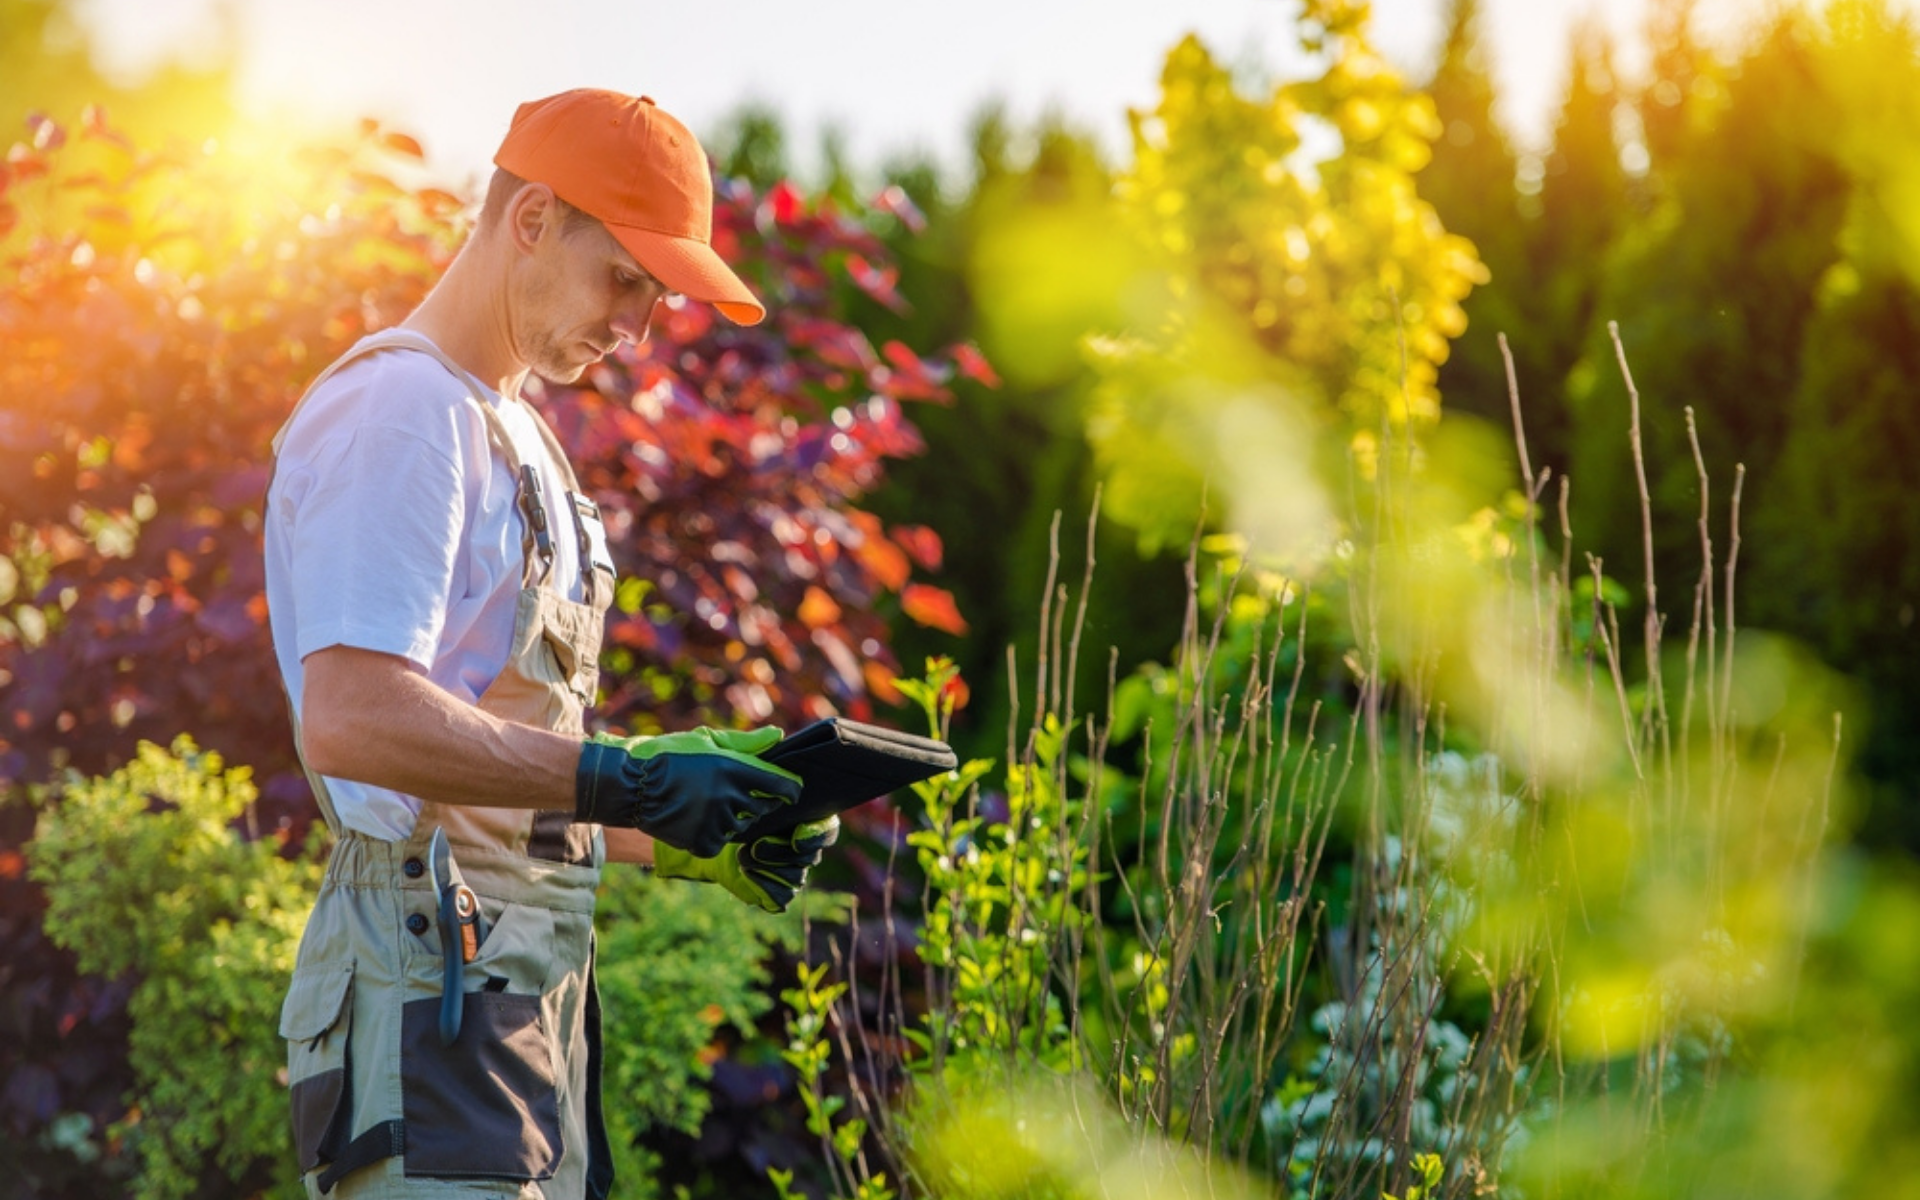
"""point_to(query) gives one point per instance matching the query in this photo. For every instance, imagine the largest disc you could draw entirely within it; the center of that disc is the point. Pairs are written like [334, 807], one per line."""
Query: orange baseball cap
[639, 172]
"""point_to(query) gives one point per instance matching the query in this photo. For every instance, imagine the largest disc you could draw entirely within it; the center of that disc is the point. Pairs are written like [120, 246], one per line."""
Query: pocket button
[416, 924]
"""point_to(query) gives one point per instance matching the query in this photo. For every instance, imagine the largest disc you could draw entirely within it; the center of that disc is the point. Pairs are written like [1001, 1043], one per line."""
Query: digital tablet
[843, 764]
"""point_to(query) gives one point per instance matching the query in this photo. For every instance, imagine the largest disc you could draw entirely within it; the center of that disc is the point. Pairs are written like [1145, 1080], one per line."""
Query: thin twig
[1652, 632]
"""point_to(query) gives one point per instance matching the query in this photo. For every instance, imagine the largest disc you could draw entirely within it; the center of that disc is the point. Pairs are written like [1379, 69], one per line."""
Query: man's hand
[693, 791]
[765, 872]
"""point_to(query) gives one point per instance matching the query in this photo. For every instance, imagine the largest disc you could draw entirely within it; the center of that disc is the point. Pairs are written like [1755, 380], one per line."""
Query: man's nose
[634, 318]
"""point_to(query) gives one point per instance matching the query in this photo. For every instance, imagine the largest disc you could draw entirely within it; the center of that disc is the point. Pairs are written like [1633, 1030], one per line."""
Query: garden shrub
[681, 969]
[150, 877]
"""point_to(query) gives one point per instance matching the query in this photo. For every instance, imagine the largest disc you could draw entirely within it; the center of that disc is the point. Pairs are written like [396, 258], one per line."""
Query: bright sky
[891, 74]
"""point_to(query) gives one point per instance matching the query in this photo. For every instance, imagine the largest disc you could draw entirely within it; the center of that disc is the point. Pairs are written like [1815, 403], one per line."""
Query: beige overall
[512, 1108]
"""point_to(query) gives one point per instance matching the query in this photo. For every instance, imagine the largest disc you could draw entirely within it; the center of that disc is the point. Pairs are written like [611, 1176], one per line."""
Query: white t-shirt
[392, 526]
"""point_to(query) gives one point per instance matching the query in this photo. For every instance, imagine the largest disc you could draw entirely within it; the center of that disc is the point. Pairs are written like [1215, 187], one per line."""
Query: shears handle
[462, 929]
[453, 963]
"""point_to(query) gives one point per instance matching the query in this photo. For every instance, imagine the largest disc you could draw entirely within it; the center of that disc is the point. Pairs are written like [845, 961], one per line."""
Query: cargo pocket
[316, 1021]
[486, 1107]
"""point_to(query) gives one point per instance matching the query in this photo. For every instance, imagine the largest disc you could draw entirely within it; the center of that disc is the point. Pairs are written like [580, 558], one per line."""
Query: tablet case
[843, 764]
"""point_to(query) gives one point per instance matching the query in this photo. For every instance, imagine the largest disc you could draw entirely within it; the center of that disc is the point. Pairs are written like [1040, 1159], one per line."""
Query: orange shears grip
[467, 907]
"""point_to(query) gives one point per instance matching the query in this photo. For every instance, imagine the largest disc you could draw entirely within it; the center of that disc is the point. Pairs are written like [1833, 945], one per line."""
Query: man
[437, 588]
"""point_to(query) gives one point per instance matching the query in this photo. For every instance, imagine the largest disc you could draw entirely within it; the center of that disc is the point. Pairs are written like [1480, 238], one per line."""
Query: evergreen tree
[1837, 532]
[1682, 77]
[1583, 195]
[1837, 525]
[1470, 183]
[751, 144]
[1005, 458]
[1712, 291]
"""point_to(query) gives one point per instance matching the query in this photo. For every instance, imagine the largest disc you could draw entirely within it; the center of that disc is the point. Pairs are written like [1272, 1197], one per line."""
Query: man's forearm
[628, 846]
[373, 718]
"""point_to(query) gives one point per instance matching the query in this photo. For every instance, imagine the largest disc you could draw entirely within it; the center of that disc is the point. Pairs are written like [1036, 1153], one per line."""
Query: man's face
[585, 295]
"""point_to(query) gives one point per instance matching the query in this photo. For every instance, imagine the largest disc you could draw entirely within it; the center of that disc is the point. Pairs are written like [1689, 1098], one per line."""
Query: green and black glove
[765, 872]
[694, 791]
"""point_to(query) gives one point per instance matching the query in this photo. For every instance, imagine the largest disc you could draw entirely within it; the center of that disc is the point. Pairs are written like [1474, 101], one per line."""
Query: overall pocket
[316, 1021]
[578, 671]
[488, 1106]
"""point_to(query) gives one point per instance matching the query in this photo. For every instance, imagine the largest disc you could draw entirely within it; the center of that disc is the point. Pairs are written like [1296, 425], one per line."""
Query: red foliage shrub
[729, 460]
[159, 315]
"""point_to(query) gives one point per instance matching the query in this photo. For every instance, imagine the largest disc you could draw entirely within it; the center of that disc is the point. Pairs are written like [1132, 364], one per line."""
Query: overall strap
[532, 509]
[580, 505]
[536, 529]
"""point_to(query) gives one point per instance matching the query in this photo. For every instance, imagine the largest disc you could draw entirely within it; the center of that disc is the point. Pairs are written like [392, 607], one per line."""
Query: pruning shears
[462, 929]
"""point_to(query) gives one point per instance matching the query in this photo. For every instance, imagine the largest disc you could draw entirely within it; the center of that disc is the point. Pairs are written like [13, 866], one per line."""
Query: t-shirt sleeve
[375, 539]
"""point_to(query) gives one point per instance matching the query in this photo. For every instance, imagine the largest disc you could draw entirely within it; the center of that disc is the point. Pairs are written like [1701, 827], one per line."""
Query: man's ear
[531, 215]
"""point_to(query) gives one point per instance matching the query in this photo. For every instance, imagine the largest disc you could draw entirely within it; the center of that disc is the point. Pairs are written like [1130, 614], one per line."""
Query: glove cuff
[607, 782]
[597, 771]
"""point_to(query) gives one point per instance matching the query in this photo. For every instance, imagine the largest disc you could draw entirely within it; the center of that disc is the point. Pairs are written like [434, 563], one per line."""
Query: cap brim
[691, 268]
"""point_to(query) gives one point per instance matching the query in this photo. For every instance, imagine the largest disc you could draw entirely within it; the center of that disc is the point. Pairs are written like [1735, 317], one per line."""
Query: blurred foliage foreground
[1414, 870]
